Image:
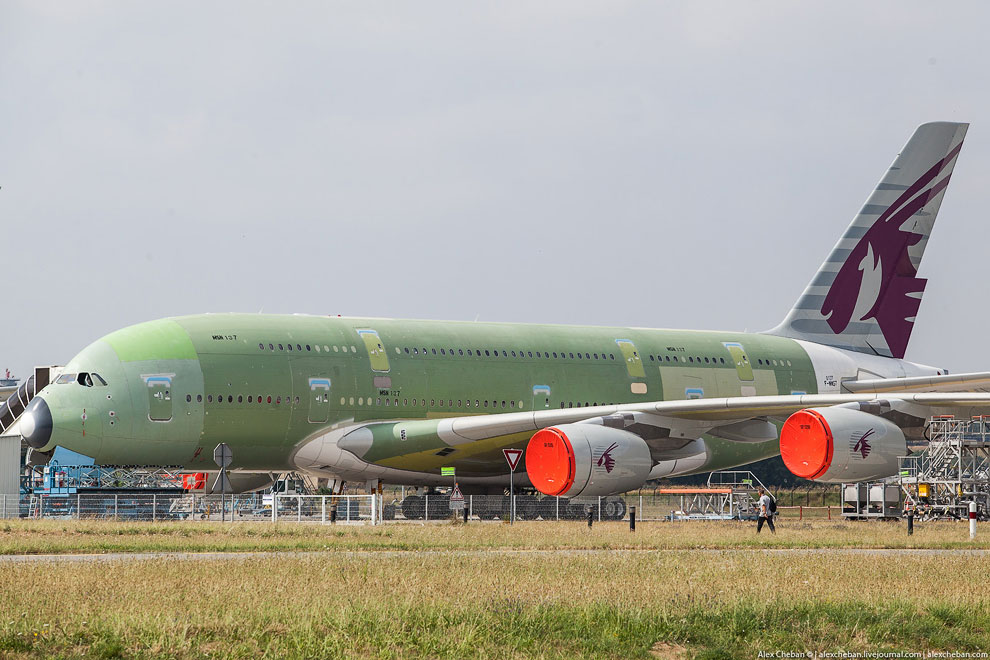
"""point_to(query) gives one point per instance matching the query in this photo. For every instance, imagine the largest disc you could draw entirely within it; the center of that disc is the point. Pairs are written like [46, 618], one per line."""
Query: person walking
[766, 515]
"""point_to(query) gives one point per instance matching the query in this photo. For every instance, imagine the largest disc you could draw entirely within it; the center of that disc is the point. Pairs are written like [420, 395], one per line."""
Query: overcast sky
[684, 165]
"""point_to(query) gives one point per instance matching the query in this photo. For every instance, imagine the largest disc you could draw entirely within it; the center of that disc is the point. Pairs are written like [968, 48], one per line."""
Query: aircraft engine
[586, 459]
[836, 445]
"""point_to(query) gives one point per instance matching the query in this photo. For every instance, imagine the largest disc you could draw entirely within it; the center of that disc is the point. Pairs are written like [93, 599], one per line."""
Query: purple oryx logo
[606, 457]
[882, 256]
[862, 446]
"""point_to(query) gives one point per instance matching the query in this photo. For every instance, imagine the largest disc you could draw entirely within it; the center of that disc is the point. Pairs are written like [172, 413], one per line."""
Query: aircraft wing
[692, 418]
[974, 382]
[668, 426]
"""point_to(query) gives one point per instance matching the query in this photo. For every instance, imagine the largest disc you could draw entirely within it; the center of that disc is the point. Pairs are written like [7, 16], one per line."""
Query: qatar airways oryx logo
[606, 460]
[877, 280]
[862, 445]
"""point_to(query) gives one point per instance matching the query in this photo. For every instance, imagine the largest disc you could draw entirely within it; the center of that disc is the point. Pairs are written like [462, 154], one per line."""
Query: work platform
[729, 495]
[951, 472]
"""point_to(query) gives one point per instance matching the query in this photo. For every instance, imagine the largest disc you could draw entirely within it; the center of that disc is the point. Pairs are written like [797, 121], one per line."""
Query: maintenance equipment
[729, 495]
[951, 472]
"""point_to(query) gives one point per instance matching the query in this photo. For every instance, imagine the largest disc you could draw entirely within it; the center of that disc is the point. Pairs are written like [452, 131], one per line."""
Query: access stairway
[13, 407]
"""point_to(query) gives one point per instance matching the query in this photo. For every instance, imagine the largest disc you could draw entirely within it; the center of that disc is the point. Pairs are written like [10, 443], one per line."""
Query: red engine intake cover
[550, 462]
[806, 444]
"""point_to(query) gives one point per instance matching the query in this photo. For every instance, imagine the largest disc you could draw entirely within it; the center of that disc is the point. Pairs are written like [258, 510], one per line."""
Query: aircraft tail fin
[866, 295]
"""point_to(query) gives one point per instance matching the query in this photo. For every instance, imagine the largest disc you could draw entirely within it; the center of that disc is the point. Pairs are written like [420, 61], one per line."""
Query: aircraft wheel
[527, 508]
[439, 507]
[548, 508]
[413, 507]
[575, 510]
[613, 508]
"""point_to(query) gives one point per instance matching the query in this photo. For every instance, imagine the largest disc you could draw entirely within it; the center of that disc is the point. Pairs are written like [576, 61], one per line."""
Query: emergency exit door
[744, 368]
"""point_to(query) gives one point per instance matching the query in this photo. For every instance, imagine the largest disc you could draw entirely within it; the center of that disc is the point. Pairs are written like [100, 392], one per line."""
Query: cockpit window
[65, 379]
[90, 379]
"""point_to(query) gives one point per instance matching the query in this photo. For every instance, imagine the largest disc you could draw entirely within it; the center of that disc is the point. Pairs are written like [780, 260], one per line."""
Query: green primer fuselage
[265, 384]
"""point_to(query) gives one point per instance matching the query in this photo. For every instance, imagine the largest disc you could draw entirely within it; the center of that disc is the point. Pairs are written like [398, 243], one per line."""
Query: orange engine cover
[550, 462]
[806, 444]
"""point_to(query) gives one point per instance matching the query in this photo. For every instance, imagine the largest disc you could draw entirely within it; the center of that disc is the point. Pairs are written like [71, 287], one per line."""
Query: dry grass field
[70, 536]
[551, 590]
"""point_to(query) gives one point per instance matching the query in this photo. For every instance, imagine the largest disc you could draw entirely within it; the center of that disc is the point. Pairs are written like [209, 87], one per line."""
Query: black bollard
[465, 515]
[333, 515]
[591, 516]
[910, 523]
[632, 519]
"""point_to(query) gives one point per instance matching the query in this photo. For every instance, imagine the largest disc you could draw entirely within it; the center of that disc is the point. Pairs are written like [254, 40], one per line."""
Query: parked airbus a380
[600, 410]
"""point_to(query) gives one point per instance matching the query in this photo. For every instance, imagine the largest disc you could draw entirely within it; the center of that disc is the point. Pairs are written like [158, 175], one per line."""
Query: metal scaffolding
[951, 472]
[729, 495]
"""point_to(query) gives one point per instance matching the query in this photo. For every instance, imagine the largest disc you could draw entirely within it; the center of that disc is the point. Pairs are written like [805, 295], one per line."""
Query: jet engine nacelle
[836, 445]
[586, 459]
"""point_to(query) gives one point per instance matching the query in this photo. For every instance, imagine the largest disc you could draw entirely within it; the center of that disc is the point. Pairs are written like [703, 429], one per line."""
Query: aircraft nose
[36, 423]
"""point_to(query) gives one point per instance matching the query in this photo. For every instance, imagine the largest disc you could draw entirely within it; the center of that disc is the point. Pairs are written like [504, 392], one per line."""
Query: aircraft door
[634, 364]
[319, 400]
[744, 368]
[159, 396]
[376, 350]
[541, 397]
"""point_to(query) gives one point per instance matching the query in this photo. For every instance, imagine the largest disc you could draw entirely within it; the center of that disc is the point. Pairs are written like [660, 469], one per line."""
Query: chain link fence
[368, 509]
[181, 506]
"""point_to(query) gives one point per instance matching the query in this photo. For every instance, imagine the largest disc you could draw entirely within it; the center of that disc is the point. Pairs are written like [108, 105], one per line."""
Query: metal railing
[325, 509]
